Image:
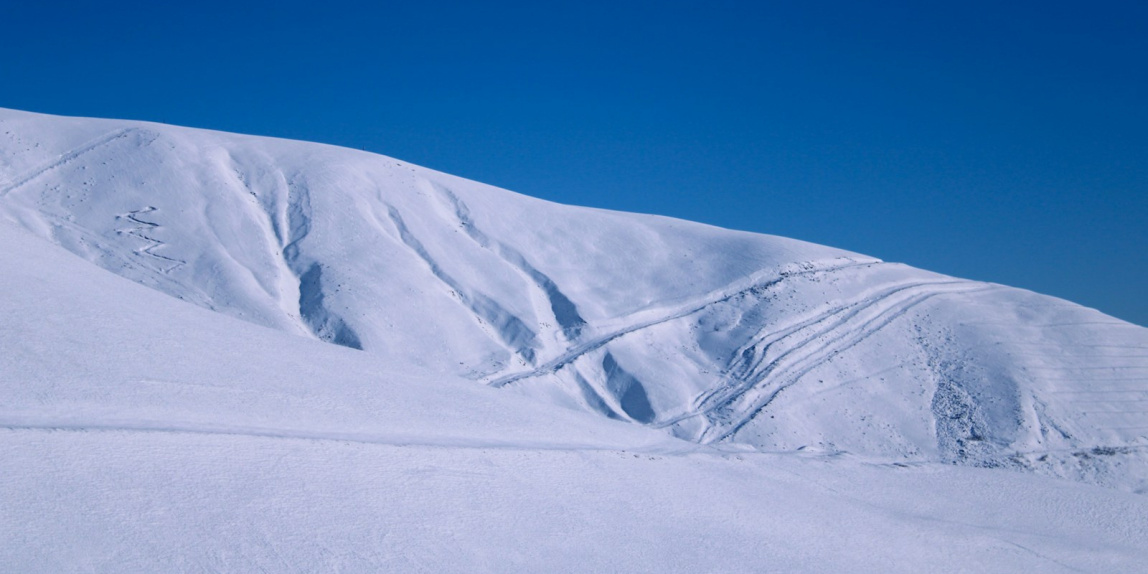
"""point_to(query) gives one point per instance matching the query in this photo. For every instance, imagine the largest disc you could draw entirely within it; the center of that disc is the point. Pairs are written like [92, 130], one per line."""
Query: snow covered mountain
[849, 383]
[717, 336]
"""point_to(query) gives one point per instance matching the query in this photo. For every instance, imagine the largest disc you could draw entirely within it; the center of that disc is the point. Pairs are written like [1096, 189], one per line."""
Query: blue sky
[1002, 143]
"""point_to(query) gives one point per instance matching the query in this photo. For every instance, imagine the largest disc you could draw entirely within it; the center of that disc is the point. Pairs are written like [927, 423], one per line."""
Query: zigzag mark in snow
[140, 230]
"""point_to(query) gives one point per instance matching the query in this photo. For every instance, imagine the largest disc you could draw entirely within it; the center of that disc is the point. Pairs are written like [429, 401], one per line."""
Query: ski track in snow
[140, 230]
[683, 310]
[847, 326]
[749, 386]
[64, 158]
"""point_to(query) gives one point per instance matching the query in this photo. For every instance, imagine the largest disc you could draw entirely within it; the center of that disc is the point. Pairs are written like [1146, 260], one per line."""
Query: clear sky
[1002, 141]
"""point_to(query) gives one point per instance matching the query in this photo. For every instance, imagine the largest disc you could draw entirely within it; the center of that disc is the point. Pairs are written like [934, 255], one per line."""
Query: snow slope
[667, 396]
[718, 337]
[142, 434]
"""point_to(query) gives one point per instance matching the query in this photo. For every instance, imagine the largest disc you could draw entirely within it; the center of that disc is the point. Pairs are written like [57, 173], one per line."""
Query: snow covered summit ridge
[727, 338]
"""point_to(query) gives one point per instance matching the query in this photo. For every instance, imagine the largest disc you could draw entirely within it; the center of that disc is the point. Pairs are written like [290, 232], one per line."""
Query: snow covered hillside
[738, 340]
[515, 385]
[142, 434]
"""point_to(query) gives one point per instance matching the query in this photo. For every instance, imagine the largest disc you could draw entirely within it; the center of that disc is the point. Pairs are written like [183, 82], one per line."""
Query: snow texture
[376, 366]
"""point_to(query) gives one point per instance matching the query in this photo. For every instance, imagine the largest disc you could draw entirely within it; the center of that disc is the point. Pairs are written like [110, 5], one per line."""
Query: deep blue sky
[1003, 141]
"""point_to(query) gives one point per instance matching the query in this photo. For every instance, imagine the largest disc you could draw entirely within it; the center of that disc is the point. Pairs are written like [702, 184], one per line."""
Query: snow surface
[667, 396]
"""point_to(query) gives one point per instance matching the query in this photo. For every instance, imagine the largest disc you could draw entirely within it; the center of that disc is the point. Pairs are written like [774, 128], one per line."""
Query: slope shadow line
[397, 439]
[564, 310]
[323, 321]
[491, 316]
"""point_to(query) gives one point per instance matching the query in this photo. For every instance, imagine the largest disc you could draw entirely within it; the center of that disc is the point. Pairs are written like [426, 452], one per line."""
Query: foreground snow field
[666, 396]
